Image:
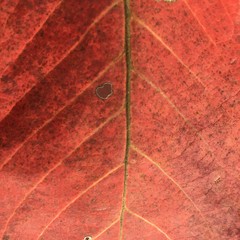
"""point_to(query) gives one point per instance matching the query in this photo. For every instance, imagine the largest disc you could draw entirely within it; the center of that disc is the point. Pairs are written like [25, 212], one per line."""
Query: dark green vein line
[128, 100]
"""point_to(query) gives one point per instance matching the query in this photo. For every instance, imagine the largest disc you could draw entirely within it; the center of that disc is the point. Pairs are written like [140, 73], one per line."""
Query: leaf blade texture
[119, 119]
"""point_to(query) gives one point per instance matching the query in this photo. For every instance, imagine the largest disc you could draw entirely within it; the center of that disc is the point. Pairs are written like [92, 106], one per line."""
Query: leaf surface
[120, 119]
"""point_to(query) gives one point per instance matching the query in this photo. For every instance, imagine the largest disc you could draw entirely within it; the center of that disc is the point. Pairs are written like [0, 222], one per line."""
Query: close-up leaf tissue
[120, 119]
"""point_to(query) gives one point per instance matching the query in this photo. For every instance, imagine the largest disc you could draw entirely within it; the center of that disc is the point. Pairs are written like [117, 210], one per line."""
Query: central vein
[128, 100]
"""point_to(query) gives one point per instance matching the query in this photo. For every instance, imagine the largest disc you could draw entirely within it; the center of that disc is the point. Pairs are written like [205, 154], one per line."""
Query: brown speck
[88, 238]
[217, 180]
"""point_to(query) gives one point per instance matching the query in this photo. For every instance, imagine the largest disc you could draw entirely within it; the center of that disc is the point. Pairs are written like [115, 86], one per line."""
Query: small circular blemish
[88, 238]
[104, 91]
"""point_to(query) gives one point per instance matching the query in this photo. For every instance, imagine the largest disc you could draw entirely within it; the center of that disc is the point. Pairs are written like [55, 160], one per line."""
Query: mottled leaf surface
[120, 119]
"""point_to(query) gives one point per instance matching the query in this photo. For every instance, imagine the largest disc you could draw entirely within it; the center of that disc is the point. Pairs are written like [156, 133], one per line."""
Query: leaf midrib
[127, 16]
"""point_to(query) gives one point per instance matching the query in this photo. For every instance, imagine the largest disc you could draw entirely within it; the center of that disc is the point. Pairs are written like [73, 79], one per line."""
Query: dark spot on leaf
[5, 79]
[104, 91]
[238, 39]
[88, 238]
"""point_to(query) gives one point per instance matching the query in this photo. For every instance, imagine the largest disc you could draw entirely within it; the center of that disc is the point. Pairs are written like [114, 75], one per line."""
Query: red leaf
[120, 119]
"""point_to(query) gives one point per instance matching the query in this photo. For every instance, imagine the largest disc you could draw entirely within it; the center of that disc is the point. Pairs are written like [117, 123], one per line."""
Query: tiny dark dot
[88, 238]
